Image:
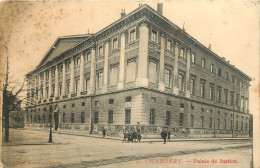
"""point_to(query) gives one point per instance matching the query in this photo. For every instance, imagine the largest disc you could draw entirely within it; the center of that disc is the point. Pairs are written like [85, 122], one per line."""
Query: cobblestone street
[30, 148]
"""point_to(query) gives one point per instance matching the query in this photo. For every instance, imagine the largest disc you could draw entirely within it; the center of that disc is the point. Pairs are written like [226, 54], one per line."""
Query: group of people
[132, 136]
[166, 134]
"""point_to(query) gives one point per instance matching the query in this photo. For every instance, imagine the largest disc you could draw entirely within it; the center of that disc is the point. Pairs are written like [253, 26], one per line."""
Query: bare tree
[10, 99]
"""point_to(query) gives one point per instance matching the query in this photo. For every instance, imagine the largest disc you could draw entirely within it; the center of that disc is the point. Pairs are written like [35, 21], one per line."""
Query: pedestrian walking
[131, 136]
[164, 136]
[104, 133]
[169, 135]
[139, 137]
[128, 136]
[134, 136]
[125, 137]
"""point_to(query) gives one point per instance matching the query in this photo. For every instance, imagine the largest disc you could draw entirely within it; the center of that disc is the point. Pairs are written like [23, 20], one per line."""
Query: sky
[231, 27]
[28, 29]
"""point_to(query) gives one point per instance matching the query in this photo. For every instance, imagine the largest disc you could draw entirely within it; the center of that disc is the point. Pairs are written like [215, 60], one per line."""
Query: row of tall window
[113, 77]
[219, 123]
[226, 76]
[169, 46]
[72, 117]
[153, 69]
[100, 51]
[218, 98]
[131, 74]
[243, 105]
[211, 124]
[115, 42]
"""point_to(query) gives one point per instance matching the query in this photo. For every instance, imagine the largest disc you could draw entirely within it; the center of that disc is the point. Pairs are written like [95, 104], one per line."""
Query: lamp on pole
[51, 110]
[50, 118]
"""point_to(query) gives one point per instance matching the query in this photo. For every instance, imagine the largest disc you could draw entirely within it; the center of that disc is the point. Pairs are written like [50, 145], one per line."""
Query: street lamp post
[50, 116]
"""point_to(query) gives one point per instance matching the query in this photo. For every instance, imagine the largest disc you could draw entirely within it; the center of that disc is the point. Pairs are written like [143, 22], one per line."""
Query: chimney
[160, 8]
[209, 46]
[123, 13]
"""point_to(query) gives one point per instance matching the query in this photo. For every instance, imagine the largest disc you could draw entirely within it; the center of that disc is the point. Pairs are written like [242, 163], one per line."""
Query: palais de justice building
[141, 71]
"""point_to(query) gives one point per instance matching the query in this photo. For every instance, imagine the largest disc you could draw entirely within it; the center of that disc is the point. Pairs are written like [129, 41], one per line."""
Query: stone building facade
[141, 72]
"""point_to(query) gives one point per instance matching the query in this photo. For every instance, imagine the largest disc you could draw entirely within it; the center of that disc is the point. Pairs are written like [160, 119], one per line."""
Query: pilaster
[175, 72]
[106, 67]
[63, 91]
[50, 83]
[122, 63]
[81, 73]
[40, 88]
[142, 80]
[72, 78]
[35, 90]
[56, 94]
[187, 90]
[92, 72]
[44, 86]
[161, 85]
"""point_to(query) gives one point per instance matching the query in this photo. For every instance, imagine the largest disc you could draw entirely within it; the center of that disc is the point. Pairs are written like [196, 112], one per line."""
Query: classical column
[92, 71]
[247, 106]
[40, 87]
[106, 67]
[56, 91]
[81, 74]
[161, 85]
[187, 90]
[44, 85]
[28, 91]
[35, 90]
[72, 78]
[50, 83]
[63, 91]
[142, 79]
[122, 63]
[31, 98]
[175, 73]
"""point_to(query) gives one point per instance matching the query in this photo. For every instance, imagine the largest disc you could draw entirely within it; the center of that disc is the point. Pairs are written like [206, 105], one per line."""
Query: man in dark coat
[104, 133]
[139, 136]
[134, 136]
[131, 135]
[169, 135]
[125, 136]
[164, 136]
[128, 136]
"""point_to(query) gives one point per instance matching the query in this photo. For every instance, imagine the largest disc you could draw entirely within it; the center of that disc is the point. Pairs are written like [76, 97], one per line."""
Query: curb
[154, 140]
[143, 140]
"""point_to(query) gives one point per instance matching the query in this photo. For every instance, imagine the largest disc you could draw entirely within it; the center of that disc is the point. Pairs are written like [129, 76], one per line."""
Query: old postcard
[129, 84]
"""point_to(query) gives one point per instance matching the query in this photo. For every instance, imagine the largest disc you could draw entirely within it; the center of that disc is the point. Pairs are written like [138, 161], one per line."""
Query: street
[30, 148]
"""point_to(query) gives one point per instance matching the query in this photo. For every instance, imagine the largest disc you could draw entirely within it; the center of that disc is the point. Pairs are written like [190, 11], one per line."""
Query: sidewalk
[29, 148]
[86, 134]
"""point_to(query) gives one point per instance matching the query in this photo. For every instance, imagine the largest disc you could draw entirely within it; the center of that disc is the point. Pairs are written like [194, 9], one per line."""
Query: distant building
[141, 72]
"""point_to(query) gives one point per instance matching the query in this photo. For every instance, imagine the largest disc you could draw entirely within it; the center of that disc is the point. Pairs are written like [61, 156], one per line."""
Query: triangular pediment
[61, 45]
